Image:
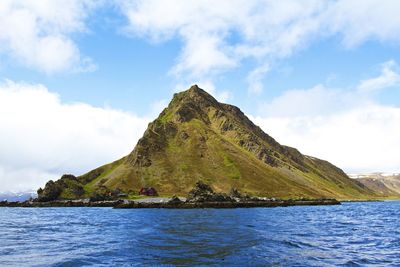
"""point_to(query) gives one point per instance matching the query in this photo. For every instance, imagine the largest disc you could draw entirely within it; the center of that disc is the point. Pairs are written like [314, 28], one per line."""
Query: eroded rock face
[229, 120]
[51, 191]
[154, 140]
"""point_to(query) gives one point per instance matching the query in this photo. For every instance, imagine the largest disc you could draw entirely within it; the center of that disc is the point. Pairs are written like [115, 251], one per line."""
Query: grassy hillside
[197, 138]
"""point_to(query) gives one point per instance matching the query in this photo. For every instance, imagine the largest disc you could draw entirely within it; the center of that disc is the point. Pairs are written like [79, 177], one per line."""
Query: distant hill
[20, 196]
[386, 184]
[198, 138]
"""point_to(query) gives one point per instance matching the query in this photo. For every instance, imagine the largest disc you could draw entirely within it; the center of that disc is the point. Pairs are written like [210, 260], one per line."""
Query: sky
[80, 80]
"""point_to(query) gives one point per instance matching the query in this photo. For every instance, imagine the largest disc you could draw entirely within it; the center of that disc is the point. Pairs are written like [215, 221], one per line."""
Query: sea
[351, 234]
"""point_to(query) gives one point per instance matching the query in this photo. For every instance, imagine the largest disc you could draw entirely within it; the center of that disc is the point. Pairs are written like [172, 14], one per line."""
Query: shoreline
[123, 204]
[228, 205]
[366, 200]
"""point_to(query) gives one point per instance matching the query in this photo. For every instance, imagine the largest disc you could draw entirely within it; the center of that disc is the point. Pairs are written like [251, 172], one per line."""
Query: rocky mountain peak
[187, 105]
[195, 97]
[196, 92]
[196, 138]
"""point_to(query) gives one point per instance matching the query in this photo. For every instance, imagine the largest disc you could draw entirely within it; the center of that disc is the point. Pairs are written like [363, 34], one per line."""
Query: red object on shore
[148, 191]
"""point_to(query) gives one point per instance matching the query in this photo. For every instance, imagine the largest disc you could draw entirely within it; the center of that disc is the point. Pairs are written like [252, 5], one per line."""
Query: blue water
[353, 234]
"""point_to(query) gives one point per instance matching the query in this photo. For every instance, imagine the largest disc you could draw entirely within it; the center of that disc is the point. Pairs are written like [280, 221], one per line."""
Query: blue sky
[322, 76]
[132, 72]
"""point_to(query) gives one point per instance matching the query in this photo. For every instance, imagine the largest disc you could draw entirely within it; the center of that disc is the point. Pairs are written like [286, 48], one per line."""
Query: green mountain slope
[197, 138]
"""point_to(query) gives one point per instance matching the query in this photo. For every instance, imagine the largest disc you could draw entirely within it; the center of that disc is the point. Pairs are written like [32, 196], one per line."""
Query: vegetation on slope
[197, 138]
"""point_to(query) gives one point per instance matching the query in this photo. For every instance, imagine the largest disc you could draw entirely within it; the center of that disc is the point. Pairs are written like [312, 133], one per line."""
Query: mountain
[386, 184]
[197, 138]
[19, 196]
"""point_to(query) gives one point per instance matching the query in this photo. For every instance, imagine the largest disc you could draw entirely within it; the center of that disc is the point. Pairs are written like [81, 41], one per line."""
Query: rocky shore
[123, 204]
[201, 196]
[61, 203]
[228, 205]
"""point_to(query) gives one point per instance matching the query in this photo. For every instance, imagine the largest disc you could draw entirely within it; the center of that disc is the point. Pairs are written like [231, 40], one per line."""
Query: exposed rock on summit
[198, 138]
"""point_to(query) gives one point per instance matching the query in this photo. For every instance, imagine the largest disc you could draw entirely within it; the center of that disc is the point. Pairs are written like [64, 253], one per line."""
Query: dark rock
[175, 200]
[51, 191]
[77, 190]
[270, 161]
[68, 177]
[227, 126]
[101, 194]
[203, 193]
[234, 193]
[185, 113]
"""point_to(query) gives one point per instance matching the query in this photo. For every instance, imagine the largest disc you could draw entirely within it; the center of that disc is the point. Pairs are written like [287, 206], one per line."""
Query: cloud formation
[389, 77]
[41, 137]
[346, 127]
[37, 34]
[219, 35]
[362, 139]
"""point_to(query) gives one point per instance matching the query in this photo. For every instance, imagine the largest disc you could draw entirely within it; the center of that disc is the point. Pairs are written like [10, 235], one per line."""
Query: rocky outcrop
[51, 191]
[203, 193]
[175, 200]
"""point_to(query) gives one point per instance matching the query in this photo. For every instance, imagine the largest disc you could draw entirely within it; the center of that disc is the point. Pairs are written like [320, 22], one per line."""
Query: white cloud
[218, 35]
[322, 100]
[260, 29]
[361, 139]
[42, 137]
[358, 21]
[37, 33]
[389, 77]
[346, 127]
[254, 79]
[318, 100]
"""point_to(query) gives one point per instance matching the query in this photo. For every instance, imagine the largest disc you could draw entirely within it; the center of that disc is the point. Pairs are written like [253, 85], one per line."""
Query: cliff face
[198, 138]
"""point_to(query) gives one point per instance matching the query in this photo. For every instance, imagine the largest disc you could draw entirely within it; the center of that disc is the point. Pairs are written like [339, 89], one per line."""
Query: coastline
[124, 204]
[228, 205]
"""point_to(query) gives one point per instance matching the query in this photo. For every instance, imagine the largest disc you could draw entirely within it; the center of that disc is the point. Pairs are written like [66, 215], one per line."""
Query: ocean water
[353, 234]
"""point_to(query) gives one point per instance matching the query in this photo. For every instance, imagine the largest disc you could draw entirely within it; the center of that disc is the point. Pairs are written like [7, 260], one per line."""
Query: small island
[201, 196]
[200, 153]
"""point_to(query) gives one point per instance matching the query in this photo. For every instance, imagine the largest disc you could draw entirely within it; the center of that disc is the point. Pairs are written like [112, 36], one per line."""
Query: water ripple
[353, 234]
